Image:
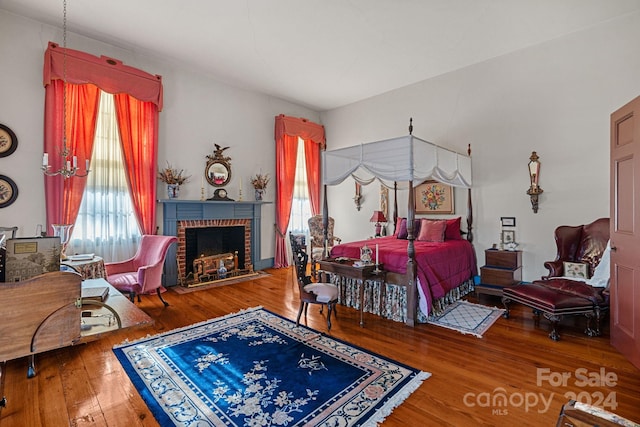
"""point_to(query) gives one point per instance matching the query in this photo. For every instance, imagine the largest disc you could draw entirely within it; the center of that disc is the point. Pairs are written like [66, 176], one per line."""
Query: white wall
[554, 98]
[198, 112]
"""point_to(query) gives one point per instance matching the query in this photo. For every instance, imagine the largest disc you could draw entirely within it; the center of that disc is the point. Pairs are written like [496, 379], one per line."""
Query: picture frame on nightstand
[508, 236]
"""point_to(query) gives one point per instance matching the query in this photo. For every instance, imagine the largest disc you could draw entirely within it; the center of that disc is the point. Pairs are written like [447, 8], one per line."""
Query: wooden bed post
[325, 224]
[411, 265]
[412, 286]
[395, 206]
[469, 207]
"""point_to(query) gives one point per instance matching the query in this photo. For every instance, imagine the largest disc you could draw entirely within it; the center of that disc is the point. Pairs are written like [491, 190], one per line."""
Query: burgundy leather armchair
[580, 243]
[556, 295]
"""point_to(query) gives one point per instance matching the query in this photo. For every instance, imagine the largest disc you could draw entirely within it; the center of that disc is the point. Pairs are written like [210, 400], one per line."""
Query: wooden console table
[346, 268]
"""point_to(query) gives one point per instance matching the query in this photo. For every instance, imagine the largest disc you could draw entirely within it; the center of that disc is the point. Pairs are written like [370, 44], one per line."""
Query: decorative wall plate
[8, 191]
[8, 141]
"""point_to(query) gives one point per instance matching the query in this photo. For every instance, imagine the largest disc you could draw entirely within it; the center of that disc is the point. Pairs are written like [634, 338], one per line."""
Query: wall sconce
[378, 217]
[357, 199]
[534, 174]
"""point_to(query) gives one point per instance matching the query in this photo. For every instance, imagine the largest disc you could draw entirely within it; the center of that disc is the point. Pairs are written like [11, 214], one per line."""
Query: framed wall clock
[8, 141]
[8, 191]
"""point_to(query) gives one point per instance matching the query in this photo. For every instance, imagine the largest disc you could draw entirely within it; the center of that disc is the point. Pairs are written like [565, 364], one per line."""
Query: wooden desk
[101, 320]
[45, 313]
[347, 269]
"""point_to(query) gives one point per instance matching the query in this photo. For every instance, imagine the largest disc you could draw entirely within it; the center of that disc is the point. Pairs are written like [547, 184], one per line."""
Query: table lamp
[378, 217]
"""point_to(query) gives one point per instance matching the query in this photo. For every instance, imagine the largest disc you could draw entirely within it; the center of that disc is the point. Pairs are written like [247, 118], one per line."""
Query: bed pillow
[396, 232]
[576, 269]
[416, 227]
[402, 229]
[452, 232]
[432, 230]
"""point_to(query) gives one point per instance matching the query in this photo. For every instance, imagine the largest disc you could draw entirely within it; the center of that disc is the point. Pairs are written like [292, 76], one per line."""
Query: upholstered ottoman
[556, 298]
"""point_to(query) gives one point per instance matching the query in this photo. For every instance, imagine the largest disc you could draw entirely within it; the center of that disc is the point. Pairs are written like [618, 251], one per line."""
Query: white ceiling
[323, 53]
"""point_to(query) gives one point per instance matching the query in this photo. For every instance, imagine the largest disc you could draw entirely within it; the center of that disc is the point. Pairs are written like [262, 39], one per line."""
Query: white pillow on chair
[325, 292]
[600, 278]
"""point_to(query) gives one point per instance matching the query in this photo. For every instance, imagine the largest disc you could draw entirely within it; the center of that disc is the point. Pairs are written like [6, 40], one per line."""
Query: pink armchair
[142, 274]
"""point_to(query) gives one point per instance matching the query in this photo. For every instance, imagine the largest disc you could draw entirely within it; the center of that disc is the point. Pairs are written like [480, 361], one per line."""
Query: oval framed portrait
[8, 141]
[8, 191]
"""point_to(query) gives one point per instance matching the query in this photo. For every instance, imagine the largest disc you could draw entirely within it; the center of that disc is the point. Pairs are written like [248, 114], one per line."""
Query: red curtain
[109, 74]
[63, 196]
[138, 124]
[312, 160]
[89, 73]
[286, 148]
[287, 132]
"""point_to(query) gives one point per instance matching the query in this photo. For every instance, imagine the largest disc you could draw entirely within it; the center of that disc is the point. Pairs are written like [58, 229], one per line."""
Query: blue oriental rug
[255, 368]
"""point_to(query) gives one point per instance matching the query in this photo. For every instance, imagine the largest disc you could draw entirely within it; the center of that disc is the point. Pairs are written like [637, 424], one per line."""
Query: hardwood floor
[85, 385]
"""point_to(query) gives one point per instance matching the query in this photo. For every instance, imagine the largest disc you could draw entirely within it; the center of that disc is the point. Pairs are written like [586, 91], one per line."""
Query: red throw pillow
[432, 230]
[452, 231]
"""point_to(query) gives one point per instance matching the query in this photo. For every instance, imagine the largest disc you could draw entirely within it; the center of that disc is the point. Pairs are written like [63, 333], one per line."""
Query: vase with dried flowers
[259, 183]
[173, 178]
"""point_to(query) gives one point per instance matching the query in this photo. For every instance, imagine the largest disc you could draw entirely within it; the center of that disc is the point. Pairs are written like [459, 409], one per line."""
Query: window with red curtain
[287, 132]
[106, 224]
[138, 104]
[300, 201]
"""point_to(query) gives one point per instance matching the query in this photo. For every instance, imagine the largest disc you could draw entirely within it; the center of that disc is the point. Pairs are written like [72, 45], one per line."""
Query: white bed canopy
[401, 159]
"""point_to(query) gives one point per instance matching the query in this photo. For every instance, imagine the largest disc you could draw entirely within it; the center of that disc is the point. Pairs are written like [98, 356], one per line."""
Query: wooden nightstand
[502, 268]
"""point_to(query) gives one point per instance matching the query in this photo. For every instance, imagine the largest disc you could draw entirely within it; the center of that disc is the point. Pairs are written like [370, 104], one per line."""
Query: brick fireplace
[188, 250]
[182, 215]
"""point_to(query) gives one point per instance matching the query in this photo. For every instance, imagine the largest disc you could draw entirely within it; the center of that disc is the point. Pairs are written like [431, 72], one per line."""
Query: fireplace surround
[181, 215]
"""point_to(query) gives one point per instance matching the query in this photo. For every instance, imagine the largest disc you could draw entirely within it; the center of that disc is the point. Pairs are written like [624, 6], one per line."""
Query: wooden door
[625, 231]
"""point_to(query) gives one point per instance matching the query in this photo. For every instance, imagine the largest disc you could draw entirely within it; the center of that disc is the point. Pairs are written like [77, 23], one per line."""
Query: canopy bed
[419, 272]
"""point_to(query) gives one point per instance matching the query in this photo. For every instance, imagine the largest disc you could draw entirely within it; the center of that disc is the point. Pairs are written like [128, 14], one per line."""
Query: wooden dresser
[502, 268]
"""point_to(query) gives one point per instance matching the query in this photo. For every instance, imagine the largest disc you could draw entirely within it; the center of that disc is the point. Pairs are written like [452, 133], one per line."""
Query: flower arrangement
[169, 175]
[260, 181]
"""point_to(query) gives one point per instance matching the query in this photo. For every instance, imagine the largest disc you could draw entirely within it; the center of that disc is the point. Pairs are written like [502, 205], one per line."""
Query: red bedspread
[441, 267]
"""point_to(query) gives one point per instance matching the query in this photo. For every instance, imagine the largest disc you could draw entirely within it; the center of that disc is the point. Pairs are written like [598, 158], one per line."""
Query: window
[300, 207]
[106, 222]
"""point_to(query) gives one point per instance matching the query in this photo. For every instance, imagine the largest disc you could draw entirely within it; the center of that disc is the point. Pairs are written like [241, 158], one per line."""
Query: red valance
[294, 126]
[108, 74]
